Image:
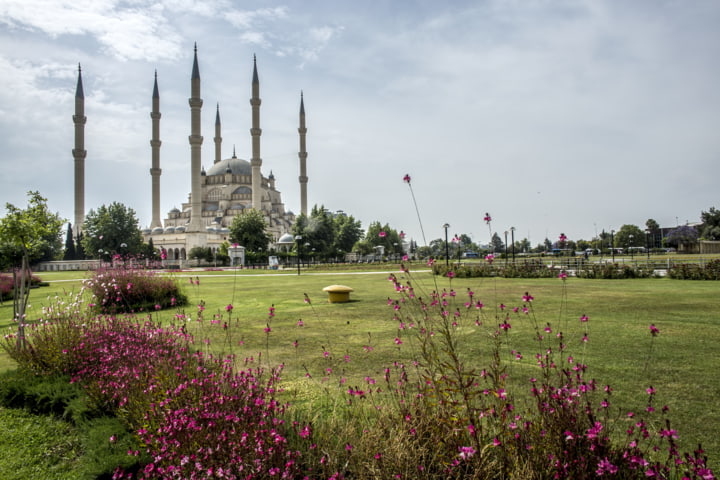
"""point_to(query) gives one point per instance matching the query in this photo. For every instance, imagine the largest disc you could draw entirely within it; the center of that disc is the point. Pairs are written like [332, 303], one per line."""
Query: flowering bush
[127, 289]
[6, 285]
[686, 271]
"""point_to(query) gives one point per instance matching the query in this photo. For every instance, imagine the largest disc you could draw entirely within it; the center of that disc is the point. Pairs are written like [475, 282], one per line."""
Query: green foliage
[384, 235]
[614, 271]
[6, 285]
[248, 230]
[38, 447]
[70, 252]
[629, 236]
[327, 235]
[524, 269]
[347, 231]
[104, 441]
[201, 253]
[125, 289]
[687, 271]
[711, 224]
[33, 232]
[112, 230]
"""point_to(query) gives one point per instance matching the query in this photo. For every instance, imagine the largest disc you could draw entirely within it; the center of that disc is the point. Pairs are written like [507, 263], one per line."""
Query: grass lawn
[681, 363]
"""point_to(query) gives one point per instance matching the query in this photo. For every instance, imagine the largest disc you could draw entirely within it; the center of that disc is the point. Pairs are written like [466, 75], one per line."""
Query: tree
[70, 253]
[682, 235]
[496, 244]
[32, 232]
[347, 233]
[112, 230]
[79, 250]
[629, 236]
[653, 229]
[383, 235]
[319, 231]
[248, 229]
[711, 224]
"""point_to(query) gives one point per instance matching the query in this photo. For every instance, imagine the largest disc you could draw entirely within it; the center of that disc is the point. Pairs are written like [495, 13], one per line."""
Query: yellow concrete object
[338, 293]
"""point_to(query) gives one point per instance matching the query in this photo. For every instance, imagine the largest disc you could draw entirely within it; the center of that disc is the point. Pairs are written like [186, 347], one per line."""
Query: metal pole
[447, 247]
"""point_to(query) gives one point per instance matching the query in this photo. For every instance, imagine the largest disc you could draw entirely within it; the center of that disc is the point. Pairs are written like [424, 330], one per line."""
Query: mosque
[227, 188]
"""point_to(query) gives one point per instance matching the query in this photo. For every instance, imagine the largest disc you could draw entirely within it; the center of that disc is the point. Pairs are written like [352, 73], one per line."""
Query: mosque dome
[286, 238]
[236, 166]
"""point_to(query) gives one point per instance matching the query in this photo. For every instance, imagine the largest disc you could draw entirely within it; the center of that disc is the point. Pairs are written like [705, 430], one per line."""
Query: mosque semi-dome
[237, 166]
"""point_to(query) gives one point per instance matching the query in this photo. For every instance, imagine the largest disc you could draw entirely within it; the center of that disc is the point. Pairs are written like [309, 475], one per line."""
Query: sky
[554, 116]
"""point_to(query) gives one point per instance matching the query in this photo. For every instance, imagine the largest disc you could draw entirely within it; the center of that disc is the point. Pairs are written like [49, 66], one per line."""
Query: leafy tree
[319, 231]
[682, 235]
[711, 224]
[201, 253]
[654, 231]
[383, 235]
[33, 233]
[522, 245]
[112, 230]
[249, 229]
[70, 253]
[328, 234]
[629, 236]
[547, 245]
[150, 251]
[79, 250]
[347, 232]
[496, 244]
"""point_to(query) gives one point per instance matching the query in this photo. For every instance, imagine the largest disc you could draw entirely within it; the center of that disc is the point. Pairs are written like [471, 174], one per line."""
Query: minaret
[196, 141]
[79, 153]
[155, 143]
[255, 132]
[303, 159]
[218, 138]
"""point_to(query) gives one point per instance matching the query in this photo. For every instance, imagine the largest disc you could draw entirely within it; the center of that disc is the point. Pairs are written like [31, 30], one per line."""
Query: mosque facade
[227, 188]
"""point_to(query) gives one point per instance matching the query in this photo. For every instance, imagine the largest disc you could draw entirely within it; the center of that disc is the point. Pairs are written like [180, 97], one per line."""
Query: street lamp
[630, 246]
[505, 247]
[612, 244]
[298, 239]
[447, 247]
[512, 235]
[647, 243]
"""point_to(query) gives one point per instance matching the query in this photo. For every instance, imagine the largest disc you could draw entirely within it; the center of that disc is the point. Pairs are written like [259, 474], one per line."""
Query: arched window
[215, 195]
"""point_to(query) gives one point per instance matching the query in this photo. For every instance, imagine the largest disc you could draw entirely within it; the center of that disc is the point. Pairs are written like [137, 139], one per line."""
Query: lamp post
[631, 247]
[512, 239]
[447, 247]
[505, 247]
[612, 244]
[298, 239]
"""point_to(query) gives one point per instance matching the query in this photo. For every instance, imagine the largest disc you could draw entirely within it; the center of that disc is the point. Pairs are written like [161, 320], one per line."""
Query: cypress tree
[70, 252]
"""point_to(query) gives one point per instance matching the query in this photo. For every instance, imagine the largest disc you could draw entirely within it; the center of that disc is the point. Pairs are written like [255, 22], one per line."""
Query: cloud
[125, 33]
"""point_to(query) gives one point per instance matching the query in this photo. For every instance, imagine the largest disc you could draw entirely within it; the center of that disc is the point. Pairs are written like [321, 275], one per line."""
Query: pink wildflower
[229, 307]
[406, 178]
[466, 452]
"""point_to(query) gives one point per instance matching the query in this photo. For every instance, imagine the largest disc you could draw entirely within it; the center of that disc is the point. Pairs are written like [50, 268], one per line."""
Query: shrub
[687, 271]
[614, 271]
[49, 339]
[127, 289]
[6, 285]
